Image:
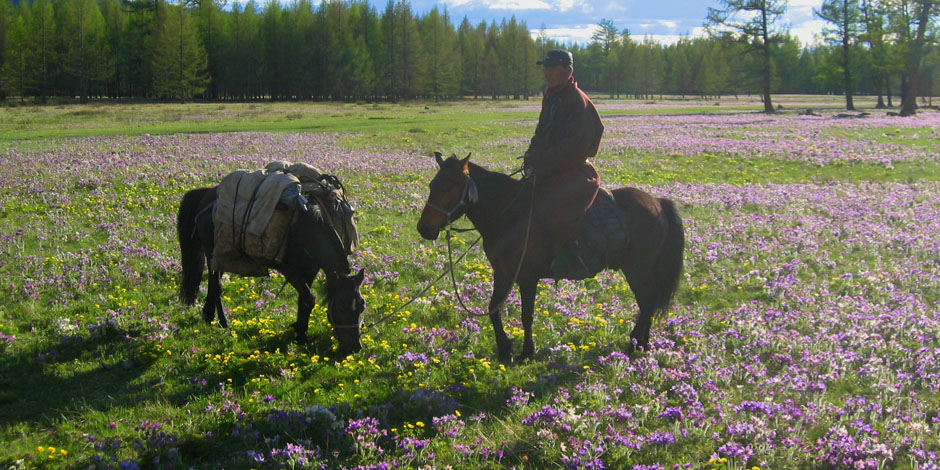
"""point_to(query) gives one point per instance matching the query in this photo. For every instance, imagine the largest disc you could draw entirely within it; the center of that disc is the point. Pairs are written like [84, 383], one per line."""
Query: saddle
[603, 233]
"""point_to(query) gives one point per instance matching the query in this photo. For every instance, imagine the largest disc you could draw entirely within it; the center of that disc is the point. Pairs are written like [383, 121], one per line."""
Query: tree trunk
[765, 79]
[888, 92]
[847, 74]
[909, 103]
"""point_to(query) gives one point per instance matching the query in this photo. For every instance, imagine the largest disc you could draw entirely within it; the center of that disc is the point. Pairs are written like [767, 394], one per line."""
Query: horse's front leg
[501, 288]
[305, 303]
[527, 290]
[214, 300]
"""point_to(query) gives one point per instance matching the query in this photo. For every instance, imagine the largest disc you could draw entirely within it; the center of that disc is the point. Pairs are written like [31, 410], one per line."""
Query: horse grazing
[499, 207]
[311, 245]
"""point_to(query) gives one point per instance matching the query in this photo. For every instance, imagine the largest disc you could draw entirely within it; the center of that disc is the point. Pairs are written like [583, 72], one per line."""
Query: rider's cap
[555, 57]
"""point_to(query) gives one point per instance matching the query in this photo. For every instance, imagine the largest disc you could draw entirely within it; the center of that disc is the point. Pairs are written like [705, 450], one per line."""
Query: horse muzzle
[427, 232]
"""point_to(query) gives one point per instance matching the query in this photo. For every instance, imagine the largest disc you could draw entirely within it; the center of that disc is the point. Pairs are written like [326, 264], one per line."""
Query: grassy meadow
[806, 332]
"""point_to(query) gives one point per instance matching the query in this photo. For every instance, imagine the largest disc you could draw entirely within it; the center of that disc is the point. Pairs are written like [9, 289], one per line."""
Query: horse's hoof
[504, 354]
[301, 338]
[635, 347]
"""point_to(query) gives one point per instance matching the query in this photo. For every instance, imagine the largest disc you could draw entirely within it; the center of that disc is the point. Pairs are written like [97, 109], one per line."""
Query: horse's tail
[668, 267]
[193, 258]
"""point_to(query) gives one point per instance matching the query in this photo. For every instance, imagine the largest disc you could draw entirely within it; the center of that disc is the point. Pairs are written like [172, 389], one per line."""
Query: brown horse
[499, 207]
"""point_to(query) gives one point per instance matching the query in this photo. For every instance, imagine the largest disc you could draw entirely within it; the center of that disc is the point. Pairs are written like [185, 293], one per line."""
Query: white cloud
[517, 5]
[565, 5]
[554, 5]
[580, 34]
[668, 24]
[808, 31]
[803, 7]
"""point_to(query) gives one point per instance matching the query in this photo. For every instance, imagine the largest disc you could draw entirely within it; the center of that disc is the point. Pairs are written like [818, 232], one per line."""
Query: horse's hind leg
[640, 336]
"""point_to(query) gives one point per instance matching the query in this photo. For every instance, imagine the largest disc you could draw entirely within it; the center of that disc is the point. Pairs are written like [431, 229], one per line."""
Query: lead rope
[459, 259]
[426, 289]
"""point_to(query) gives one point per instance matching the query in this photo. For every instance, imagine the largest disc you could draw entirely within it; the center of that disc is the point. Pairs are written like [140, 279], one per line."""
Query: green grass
[65, 121]
[73, 373]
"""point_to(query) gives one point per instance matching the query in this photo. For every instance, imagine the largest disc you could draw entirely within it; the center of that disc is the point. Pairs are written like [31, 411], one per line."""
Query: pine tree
[16, 62]
[493, 68]
[470, 47]
[247, 51]
[754, 22]
[404, 64]
[6, 20]
[114, 22]
[874, 35]
[180, 62]
[211, 26]
[41, 49]
[410, 50]
[680, 74]
[846, 16]
[925, 11]
[304, 32]
[439, 38]
[366, 50]
[86, 48]
[337, 44]
[275, 48]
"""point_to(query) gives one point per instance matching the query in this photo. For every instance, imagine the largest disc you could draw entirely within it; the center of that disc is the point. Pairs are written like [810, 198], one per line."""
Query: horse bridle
[467, 199]
[329, 315]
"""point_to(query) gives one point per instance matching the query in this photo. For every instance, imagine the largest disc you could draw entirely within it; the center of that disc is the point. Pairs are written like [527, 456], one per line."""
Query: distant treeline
[348, 50]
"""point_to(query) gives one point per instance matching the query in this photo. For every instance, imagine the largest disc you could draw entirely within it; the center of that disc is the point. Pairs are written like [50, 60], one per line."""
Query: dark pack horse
[499, 207]
[311, 245]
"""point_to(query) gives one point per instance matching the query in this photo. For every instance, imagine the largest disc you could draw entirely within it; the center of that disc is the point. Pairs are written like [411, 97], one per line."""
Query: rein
[426, 289]
[463, 202]
[515, 276]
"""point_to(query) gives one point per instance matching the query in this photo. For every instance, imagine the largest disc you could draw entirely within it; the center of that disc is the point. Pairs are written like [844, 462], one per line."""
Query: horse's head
[452, 192]
[345, 310]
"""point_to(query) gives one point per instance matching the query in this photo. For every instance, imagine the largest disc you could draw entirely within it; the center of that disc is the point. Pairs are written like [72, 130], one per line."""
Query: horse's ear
[360, 276]
[440, 161]
[464, 164]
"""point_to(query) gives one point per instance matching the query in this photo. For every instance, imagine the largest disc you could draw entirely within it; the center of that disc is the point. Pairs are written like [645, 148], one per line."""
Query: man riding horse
[568, 133]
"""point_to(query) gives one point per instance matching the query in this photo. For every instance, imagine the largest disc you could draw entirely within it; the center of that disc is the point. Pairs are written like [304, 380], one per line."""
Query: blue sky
[575, 20]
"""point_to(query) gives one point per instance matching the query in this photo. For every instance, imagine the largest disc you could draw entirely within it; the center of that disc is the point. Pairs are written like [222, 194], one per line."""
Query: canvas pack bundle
[254, 211]
[250, 230]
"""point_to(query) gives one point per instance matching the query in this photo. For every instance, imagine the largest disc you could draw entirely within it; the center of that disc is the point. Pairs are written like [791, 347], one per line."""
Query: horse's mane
[488, 181]
[484, 176]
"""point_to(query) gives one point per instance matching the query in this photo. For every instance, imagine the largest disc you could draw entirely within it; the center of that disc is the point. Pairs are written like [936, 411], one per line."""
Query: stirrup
[569, 265]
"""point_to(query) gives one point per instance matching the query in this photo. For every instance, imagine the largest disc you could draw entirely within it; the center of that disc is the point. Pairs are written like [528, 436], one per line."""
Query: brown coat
[568, 133]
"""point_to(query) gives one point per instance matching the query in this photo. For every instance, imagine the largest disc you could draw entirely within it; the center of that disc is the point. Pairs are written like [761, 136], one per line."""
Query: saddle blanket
[603, 231]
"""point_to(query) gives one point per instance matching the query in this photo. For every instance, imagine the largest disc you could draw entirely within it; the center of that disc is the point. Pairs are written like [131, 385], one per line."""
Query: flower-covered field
[806, 332]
